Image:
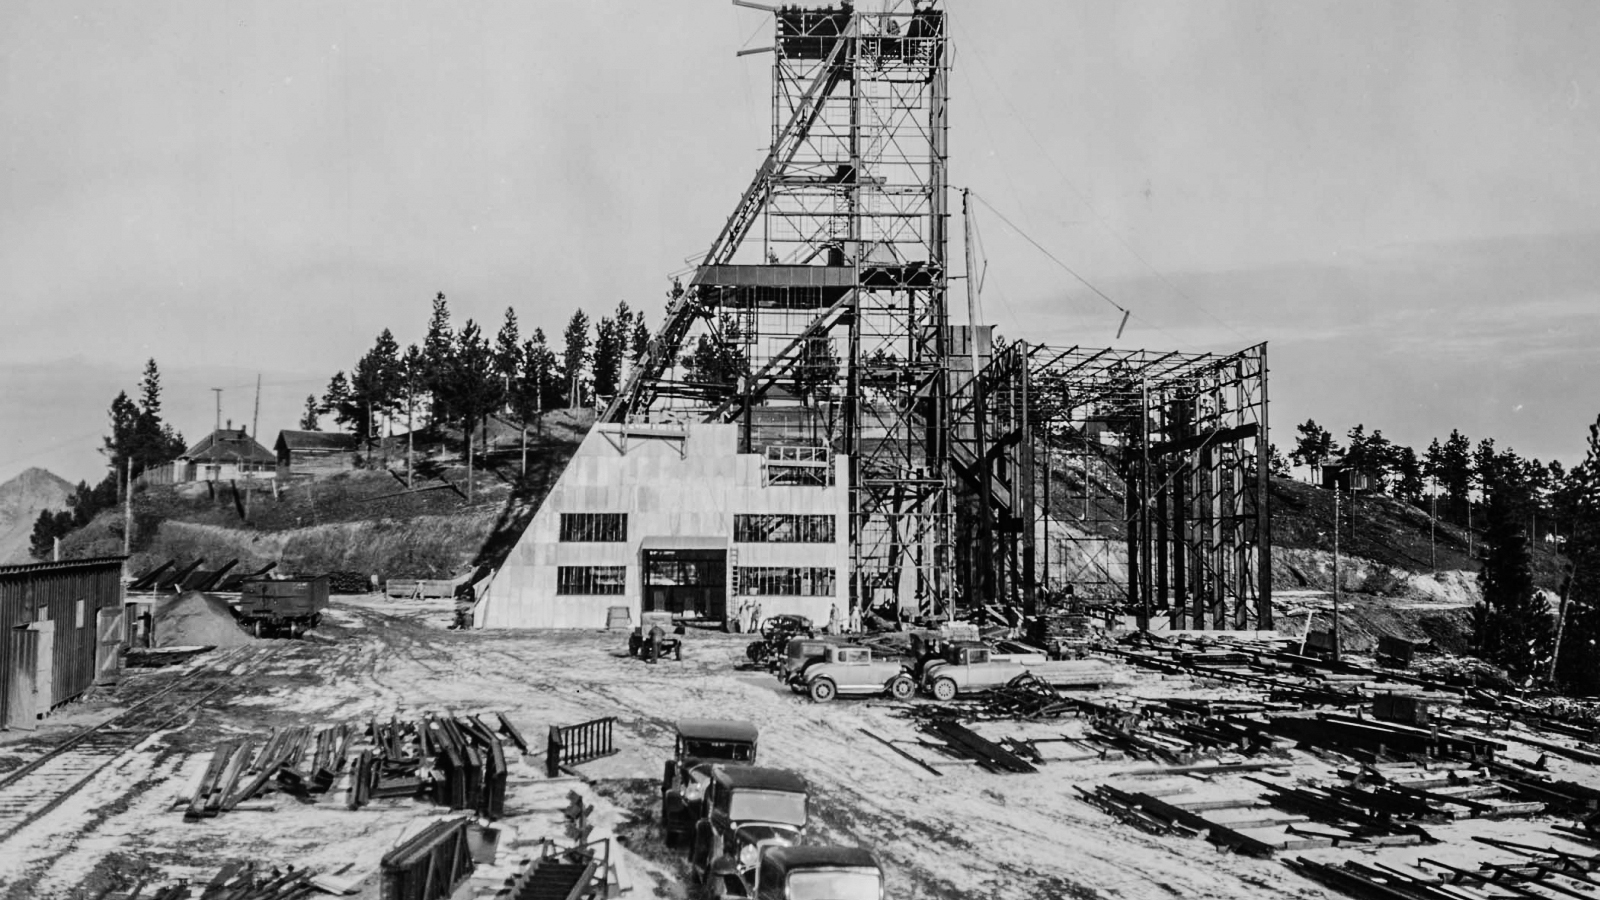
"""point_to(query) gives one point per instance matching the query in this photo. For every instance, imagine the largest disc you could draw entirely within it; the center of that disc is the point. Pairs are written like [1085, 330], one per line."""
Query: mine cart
[291, 606]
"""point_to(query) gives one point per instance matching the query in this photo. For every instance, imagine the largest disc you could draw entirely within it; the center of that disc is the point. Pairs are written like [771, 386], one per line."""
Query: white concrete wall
[688, 485]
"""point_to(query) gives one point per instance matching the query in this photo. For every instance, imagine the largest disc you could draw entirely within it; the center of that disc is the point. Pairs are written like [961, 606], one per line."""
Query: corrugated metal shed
[69, 596]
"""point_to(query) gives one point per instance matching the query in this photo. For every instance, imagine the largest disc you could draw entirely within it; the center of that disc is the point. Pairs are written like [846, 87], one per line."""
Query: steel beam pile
[242, 881]
[1534, 872]
[456, 762]
[299, 761]
[429, 865]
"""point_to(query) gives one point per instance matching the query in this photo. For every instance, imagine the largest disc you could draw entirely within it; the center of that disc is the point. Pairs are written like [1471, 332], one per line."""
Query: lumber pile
[297, 761]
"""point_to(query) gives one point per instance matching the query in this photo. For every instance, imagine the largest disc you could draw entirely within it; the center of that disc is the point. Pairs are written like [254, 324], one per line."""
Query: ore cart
[293, 605]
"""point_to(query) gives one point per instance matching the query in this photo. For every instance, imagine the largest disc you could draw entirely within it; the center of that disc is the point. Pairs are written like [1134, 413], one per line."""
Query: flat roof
[717, 730]
[814, 857]
[759, 778]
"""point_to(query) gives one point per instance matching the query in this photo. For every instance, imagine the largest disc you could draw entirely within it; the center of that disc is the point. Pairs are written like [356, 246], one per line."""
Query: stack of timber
[296, 761]
[242, 881]
[1531, 871]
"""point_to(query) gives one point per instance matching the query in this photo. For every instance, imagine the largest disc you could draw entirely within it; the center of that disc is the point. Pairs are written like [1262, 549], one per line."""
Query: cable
[1051, 256]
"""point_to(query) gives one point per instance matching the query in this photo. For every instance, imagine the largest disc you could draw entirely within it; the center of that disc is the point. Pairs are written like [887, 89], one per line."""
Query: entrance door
[690, 584]
[30, 675]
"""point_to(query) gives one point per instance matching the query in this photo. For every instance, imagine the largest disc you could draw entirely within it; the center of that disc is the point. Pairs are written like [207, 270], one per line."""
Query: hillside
[21, 500]
[365, 520]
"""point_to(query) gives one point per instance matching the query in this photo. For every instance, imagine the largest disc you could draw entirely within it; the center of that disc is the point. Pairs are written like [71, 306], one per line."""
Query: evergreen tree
[338, 401]
[717, 361]
[1277, 466]
[46, 529]
[1512, 626]
[1454, 472]
[154, 442]
[308, 416]
[437, 347]
[471, 388]
[508, 353]
[575, 356]
[1313, 447]
[122, 443]
[639, 341]
[606, 369]
[541, 370]
[1578, 667]
[376, 386]
[1409, 483]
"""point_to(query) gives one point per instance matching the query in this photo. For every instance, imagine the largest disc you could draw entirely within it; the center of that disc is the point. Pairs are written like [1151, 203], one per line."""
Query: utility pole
[411, 391]
[255, 427]
[1433, 521]
[127, 513]
[1336, 568]
[217, 428]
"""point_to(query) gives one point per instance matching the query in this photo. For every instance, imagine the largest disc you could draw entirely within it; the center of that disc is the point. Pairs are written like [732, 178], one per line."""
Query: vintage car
[748, 809]
[701, 744]
[640, 644]
[799, 653]
[966, 667]
[853, 671]
[800, 873]
[776, 631]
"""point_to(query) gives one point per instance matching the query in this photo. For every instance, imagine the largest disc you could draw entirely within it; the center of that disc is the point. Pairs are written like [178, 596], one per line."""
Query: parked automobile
[800, 873]
[966, 667]
[747, 809]
[655, 637]
[776, 632]
[853, 671]
[701, 744]
[799, 653]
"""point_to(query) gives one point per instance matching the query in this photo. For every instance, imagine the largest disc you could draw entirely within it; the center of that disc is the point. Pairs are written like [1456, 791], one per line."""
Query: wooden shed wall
[56, 588]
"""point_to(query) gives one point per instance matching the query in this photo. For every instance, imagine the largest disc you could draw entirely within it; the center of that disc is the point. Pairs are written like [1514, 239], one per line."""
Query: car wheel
[823, 690]
[754, 651]
[677, 652]
[944, 689]
[901, 688]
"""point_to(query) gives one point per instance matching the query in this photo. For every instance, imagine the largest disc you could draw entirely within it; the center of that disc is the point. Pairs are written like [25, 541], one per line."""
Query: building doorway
[689, 583]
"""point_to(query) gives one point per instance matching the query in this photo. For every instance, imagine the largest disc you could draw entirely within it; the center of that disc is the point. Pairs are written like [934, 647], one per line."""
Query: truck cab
[700, 744]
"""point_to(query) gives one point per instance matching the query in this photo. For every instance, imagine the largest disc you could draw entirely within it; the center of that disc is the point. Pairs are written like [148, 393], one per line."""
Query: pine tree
[1408, 475]
[437, 346]
[308, 416]
[541, 369]
[575, 355]
[1578, 668]
[606, 369]
[639, 341]
[1277, 466]
[154, 442]
[376, 385]
[472, 390]
[508, 352]
[338, 401]
[1512, 626]
[717, 362]
[1313, 447]
[1454, 468]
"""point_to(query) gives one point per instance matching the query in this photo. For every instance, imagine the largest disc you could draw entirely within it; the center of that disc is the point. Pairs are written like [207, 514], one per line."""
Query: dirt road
[967, 834]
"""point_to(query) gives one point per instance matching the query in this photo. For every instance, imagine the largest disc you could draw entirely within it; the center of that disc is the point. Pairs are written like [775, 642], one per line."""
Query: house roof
[231, 445]
[313, 440]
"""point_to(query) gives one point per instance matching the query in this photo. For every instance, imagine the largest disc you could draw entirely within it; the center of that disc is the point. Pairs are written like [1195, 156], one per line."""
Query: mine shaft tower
[820, 307]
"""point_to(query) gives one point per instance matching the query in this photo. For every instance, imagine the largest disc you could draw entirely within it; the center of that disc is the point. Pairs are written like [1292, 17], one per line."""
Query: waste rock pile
[195, 619]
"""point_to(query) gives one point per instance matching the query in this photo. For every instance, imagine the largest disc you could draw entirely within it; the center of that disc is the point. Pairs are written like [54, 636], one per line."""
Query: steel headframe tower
[824, 293]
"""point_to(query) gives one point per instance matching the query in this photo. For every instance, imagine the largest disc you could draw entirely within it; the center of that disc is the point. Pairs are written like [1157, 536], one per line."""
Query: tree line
[1514, 626]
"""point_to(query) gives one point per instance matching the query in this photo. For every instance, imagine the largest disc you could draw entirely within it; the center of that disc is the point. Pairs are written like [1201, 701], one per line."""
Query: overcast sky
[1399, 197]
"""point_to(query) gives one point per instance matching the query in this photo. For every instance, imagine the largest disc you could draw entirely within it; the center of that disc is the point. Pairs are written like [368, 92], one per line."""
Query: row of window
[769, 528]
[786, 581]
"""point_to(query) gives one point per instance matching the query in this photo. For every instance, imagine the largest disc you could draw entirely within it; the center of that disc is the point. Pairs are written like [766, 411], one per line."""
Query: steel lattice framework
[1146, 471]
[827, 285]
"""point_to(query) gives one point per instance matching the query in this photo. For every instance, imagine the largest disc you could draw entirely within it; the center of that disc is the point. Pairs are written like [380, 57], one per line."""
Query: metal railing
[573, 744]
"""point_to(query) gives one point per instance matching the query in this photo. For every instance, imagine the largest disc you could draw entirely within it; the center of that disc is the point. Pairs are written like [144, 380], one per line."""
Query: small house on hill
[225, 455]
[1337, 473]
[314, 452]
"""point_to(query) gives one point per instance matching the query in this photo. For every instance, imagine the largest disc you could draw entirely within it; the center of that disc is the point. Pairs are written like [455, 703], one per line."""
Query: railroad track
[43, 784]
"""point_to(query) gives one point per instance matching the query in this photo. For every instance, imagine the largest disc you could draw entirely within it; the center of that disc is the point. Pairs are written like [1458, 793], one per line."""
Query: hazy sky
[1402, 198]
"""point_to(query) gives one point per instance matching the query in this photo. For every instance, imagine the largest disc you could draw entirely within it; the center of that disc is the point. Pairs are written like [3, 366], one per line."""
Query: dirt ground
[968, 834]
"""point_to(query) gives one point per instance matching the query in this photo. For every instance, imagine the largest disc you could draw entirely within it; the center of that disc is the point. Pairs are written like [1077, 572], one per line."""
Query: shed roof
[717, 730]
[313, 440]
[60, 565]
[230, 445]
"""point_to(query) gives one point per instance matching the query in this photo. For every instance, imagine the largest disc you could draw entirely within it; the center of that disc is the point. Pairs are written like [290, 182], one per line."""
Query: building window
[799, 466]
[783, 528]
[788, 581]
[597, 527]
[591, 580]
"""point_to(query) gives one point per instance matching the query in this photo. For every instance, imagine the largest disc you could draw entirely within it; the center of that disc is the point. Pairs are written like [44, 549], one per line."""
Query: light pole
[1336, 526]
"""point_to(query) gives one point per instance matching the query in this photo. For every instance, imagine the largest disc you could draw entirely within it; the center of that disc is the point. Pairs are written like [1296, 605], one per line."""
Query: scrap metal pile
[243, 881]
[456, 762]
